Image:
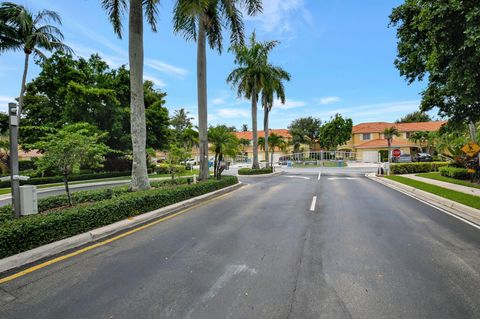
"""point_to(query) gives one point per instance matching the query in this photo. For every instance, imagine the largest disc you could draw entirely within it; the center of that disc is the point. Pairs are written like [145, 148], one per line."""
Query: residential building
[368, 138]
[247, 150]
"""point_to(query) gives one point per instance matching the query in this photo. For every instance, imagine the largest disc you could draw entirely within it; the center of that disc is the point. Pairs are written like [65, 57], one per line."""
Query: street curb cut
[464, 212]
[263, 175]
[60, 246]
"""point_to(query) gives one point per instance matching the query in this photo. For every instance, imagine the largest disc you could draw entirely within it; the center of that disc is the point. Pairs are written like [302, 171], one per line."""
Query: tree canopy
[305, 130]
[335, 132]
[417, 116]
[69, 90]
[441, 40]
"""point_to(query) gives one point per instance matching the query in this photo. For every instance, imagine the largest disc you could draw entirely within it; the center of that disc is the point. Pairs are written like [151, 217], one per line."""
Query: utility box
[28, 200]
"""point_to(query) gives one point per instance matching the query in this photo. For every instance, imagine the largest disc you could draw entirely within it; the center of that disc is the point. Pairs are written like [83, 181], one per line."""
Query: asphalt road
[365, 251]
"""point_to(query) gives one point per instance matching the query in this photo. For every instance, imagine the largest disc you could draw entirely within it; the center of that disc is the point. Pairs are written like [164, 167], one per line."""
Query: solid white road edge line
[314, 201]
[434, 206]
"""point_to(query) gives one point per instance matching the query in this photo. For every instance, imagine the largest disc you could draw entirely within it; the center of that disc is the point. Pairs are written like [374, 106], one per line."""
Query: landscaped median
[251, 171]
[94, 209]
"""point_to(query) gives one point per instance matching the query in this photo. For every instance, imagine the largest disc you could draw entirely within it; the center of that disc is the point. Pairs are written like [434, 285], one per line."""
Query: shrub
[260, 171]
[418, 167]
[454, 172]
[24, 165]
[165, 169]
[36, 230]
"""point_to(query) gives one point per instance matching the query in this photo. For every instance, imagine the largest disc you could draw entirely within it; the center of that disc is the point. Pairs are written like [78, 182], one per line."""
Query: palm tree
[115, 10]
[199, 20]
[389, 133]
[21, 29]
[276, 141]
[273, 85]
[250, 76]
[223, 142]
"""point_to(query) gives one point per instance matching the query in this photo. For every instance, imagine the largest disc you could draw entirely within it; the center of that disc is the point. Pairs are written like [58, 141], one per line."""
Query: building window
[365, 136]
[408, 134]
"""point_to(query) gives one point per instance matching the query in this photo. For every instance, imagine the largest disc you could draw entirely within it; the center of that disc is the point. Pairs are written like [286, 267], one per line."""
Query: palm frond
[151, 13]
[115, 11]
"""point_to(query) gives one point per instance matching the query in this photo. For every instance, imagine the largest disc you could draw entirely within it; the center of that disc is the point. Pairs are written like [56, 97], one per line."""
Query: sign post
[14, 171]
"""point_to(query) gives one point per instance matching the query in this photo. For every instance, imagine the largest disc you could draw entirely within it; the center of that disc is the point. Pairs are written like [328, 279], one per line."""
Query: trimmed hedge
[165, 169]
[250, 171]
[72, 178]
[417, 167]
[454, 172]
[80, 197]
[32, 231]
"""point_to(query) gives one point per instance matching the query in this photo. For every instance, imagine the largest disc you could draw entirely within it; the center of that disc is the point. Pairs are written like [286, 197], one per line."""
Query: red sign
[396, 152]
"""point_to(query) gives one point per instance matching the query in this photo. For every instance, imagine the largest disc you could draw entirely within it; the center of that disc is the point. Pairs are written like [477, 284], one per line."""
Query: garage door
[370, 156]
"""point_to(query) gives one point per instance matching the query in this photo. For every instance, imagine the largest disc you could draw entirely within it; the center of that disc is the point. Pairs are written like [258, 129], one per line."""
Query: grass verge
[438, 177]
[462, 198]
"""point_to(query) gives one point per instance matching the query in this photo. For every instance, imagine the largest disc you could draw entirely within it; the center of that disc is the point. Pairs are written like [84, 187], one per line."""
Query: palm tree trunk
[473, 131]
[23, 87]
[137, 106]
[254, 130]
[202, 99]
[265, 129]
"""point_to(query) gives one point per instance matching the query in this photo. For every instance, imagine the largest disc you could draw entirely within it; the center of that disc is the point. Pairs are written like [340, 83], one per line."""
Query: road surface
[269, 250]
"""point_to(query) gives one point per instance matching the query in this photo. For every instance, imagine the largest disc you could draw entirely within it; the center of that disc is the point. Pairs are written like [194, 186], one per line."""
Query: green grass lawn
[462, 198]
[110, 179]
[438, 177]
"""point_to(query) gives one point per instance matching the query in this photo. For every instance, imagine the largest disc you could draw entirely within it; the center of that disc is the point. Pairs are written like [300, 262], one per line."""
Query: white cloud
[278, 15]
[218, 101]
[155, 80]
[289, 104]
[166, 68]
[233, 113]
[329, 100]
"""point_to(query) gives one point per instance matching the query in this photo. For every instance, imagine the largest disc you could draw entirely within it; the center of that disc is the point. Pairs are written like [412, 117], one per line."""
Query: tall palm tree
[21, 29]
[198, 20]
[276, 141]
[389, 133]
[250, 76]
[273, 86]
[115, 9]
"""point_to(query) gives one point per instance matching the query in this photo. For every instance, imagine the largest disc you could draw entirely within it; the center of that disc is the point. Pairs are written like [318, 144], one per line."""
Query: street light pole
[14, 172]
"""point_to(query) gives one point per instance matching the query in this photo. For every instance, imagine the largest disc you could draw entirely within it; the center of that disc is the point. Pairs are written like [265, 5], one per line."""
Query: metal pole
[14, 174]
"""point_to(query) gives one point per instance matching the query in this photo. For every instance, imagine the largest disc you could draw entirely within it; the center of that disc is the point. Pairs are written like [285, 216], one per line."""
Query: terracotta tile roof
[248, 135]
[373, 127]
[381, 143]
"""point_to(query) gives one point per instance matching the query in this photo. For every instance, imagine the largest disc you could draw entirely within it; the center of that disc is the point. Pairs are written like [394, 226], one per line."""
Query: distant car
[423, 157]
[404, 158]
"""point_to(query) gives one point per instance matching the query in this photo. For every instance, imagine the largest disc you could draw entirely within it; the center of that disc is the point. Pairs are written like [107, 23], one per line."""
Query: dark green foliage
[26, 165]
[305, 130]
[335, 132]
[33, 231]
[166, 169]
[417, 116]
[412, 168]
[260, 171]
[454, 172]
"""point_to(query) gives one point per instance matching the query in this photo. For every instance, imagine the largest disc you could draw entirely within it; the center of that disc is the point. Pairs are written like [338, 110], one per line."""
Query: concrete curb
[464, 212]
[60, 246]
[263, 175]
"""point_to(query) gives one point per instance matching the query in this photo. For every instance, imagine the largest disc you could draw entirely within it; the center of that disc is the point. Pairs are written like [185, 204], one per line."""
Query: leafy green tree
[175, 155]
[439, 40]
[203, 21]
[24, 30]
[335, 132]
[4, 126]
[115, 9]
[222, 142]
[305, 130]
[276, 141]
[158, 131]
[425, 139]
[389, 133]
[68, 149]
[244, 128]
[417, 116]
[250, 77]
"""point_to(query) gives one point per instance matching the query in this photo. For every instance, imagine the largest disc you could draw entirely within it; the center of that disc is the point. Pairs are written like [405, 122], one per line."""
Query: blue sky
[340, 54]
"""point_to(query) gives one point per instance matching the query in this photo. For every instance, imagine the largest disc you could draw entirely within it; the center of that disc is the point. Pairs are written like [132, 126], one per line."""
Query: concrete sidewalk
[453, 187]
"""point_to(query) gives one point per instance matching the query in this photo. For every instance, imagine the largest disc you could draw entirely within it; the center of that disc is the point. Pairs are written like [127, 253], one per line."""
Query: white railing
[319, 156]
